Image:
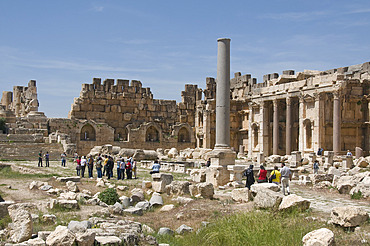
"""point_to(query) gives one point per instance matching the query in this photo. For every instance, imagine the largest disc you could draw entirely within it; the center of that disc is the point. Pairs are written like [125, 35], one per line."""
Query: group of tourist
[278, 177]
[104, 165]
[41, 156]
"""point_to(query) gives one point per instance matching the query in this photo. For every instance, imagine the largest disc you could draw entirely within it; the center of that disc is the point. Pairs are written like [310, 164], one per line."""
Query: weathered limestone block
[65, 179]
[198, 175]
[361, 162]
[79, 226]
[61, 237]
[178, 188]
[72, 186]
[318, 237]
[293, 201]
[334, 171]
[203, 189]
[146, 184]
[304, 180]
[255, 188]
[241, 195]
[68, 196]
[184, 229]
[133, 210]
[21, 228]
[165, 231]
[137, 196]
[144, 205]
[86, 238]
[69, 204]
[108, 240]
[316, 178]
[349, 216]
[267, 198]
[159, 186]
[166, 177]
[173, 153]
[156, 200]
[167, 208]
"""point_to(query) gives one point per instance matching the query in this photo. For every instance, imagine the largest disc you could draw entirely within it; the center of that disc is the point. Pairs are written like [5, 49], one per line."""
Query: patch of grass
[253, 228]
[357, 195]
[5, 221]
[8, 173]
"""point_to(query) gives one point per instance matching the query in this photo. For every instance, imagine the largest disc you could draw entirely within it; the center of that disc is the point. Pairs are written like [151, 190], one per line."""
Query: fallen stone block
[318, 237]
[294, 202]
[348, 216]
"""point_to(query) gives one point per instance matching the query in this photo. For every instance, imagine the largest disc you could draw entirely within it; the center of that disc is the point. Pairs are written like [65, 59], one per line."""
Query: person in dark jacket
[250, 177]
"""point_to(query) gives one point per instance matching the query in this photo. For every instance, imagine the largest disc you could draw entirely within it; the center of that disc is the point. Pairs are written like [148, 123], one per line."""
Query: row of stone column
[288, 137]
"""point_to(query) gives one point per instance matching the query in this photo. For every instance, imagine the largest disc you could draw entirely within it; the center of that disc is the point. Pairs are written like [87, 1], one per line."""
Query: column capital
[275, 102]
[337, 94]
[288, 101]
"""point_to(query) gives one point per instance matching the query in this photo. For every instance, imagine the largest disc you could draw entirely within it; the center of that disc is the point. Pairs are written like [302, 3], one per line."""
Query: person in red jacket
[262, 173]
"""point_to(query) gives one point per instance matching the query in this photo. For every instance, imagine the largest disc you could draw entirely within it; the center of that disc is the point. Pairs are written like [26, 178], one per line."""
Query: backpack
[315, 165]
[273, 176]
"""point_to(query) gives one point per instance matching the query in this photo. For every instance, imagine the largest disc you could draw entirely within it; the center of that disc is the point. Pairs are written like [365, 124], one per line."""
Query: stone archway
[87, 133]
[152, 134]
[183, 135]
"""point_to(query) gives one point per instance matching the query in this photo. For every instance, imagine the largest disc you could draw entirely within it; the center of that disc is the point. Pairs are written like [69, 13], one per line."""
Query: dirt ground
[191, 214]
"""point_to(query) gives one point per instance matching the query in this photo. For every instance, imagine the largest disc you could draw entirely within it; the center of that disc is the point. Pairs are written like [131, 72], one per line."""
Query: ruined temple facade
[289, 112]
[293, 112]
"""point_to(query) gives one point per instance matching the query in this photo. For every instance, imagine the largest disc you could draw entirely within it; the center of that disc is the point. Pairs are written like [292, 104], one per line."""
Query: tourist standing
[286, 176]
[75, 157]
[99, 164]
[47, 159]
[40, 159]
[316, 167]
[319, 152]
[90, 166]
[122, 168]
[275, 176]
[155, 168]
[250, 177]
[63, 156]
[119, 168]
[78, 166]
[105, 166]
[128, 169]
[349, 153]
[83, 166]
[110, 164]
[262, 175]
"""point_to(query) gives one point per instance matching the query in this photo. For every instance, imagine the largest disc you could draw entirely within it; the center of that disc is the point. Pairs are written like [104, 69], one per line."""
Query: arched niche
[183, 135]
[87, 133]
[152, 134]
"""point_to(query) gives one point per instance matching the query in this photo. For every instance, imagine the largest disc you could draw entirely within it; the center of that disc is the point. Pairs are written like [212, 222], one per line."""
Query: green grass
[356, 195]
[253, 228]
[5, 221]
[8, 173]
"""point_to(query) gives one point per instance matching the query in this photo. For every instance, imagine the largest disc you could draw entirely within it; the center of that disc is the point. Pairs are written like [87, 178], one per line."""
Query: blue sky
[167, 44]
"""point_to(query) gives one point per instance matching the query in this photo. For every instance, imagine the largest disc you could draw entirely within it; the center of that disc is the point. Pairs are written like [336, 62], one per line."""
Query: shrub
[356, 195]
[109, 196]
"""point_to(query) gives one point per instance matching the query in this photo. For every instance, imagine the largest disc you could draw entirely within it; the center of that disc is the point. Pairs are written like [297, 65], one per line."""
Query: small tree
[3, 125]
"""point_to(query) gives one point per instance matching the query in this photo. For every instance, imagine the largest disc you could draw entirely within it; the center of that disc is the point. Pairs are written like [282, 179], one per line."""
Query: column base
[217, 176]
[222, 157]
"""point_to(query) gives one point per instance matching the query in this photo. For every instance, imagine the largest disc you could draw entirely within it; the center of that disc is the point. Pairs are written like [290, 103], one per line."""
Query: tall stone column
[288, 140]
[222, 156]
[275, 128]
[223, 94]
[336, 122]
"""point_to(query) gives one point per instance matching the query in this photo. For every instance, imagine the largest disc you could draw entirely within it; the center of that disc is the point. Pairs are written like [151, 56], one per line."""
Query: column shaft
[275, 129]
[288, 140]
[223, 94]
[336, 123]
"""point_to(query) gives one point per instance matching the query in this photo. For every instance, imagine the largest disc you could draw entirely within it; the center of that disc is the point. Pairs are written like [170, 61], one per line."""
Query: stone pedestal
[260, 158]
[236, 173]
[329, 157]
[217, 175]
[312, 157]
[296, 159]
[347, 162]
[359, 152]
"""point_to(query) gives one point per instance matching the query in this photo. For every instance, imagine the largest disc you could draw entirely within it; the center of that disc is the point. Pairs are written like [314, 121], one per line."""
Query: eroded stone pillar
[288, 140]
[336, 122]
[223, 94]
[275, 128]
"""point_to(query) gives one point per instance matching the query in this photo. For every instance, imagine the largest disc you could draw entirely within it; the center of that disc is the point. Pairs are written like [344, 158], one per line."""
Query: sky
[167, 44]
